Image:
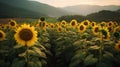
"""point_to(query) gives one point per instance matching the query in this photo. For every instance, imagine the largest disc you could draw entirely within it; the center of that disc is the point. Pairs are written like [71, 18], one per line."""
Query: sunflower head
[81, 28]
[42, 24]
[103, 24]
[117, 46]
[59, 29]
[2, 26]
[26, 35]
[96, 30]
[117, 28]
[12, 23]
[42, 18]
[115, 23]
[110, 24]
[110, 29]
[63, 23]
[93, 24]
[105, 33]
[51, 26]
[86, 23]
[116, 34]
[2, 35]
[73, 23]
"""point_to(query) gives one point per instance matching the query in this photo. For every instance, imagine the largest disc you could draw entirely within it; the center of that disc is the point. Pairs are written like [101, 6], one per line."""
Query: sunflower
[105, 34]
[42, 24]
[63, 23]
[110, 29]
[117, 28]
[117, 46]
[2, 26]
[59, 29]
[42, 18]
[103, 24]
[93, 24]
[26, 35]
[81, 28]
[110, 24]
[51, 25]
[73, 23]
[12, 23]
[96, 30]
[66, 29]
[86, 23]
[2, 35]
[115, 23]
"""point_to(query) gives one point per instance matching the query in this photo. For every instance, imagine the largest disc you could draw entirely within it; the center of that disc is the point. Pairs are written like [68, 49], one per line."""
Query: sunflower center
[1, 35]
[110, 24]
[2, 27]
[85, 23]
[93, 24]
[97, 29]
[12, 23]
[26, 34]
[119, 46]
[81, 27]
[73, 23]
[109, 29]
[43, 24]
[52, 26]
[59, 29]
[63, 23]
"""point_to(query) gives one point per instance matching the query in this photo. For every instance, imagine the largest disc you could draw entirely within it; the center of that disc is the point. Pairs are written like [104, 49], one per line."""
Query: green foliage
[100, 16]
[89, 60]
[68, 18]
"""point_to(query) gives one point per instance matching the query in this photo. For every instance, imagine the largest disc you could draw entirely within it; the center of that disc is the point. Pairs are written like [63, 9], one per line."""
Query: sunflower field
[60, 44]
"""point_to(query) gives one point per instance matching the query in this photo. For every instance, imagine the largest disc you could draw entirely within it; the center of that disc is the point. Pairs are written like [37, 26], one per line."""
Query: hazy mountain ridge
[35, 7]
[26, 8]
[13, 11]
[88, 9]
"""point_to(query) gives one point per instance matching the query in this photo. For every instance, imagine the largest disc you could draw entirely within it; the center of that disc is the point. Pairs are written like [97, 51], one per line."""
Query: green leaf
[109, 56]
[32, 52]
[75, 63]
[32, 64]
[89, 60]
[39, 64]
[17, 46]
[18, 63]
[77, 58]
[94, 47]
[79, 55]
[78, 43]
[103, 65]
[38, 51]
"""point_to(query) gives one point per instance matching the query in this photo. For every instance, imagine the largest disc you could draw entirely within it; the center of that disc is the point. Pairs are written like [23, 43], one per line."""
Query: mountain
[88, 9]
[29, 8]
[11, 11]
[104, 15]
[118, 10]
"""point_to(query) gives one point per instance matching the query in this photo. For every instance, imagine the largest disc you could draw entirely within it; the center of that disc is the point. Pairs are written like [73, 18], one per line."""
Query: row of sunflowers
[60, 44]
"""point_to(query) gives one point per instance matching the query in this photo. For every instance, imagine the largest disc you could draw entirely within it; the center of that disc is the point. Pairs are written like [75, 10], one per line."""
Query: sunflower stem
[27, 56]
[101, 50]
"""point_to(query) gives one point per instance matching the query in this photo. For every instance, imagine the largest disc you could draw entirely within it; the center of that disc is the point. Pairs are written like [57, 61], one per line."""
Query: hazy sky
[63, 3]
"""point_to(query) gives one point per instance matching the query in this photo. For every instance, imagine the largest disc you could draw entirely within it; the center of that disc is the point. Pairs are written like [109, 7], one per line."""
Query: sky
[64, 3]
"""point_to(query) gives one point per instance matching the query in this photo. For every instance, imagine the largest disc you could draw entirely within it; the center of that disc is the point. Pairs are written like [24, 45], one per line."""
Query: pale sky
[63, 3]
